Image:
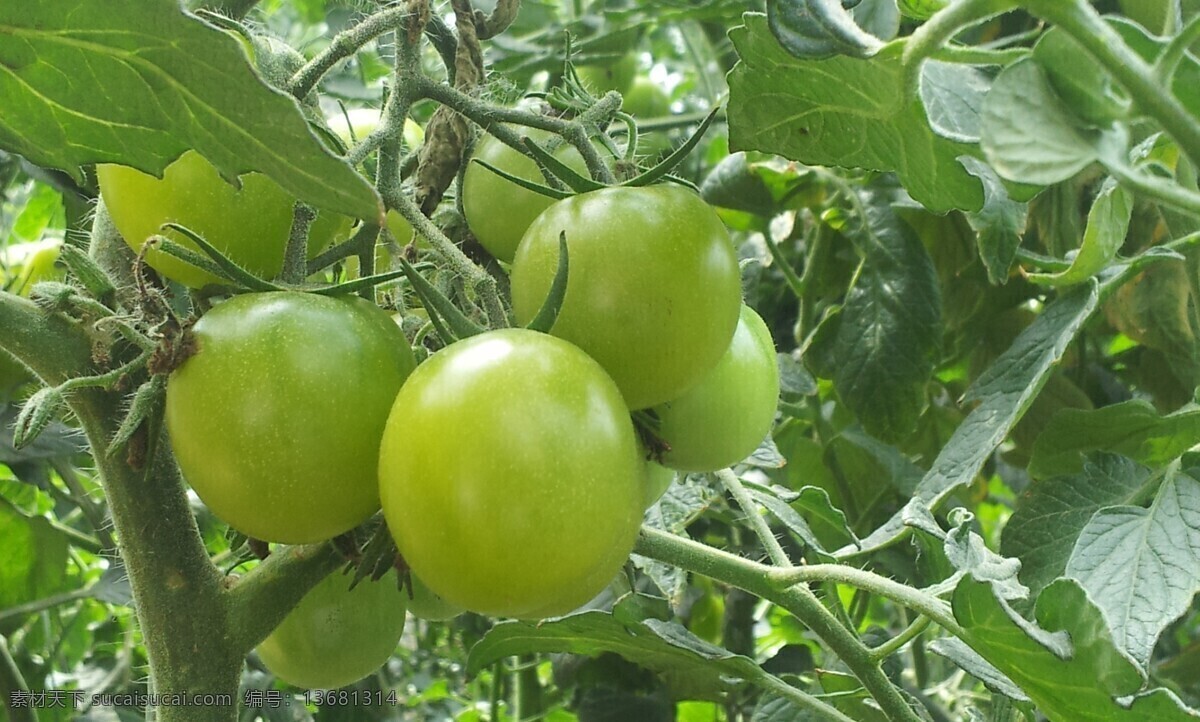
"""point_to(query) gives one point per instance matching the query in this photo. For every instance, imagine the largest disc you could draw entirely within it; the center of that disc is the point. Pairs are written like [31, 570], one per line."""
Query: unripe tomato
[653, 290]
[617, 75]
[251, 225]
[276, 418]
[646, 99]
[336, 635]
[424, 604]
[509, 475]
[722, 420]
[656, 479]
[497, 210]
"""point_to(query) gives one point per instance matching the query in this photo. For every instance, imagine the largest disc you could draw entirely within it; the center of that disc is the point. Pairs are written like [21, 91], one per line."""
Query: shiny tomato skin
[276, 418]
[653, 289]
[497, 210]
[509, 475]
[250, 225]
[424, 604]
[336, 635]
[657, 479]
[722, 420]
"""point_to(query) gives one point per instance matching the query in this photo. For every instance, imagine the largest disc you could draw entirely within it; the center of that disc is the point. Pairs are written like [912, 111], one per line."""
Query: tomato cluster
[508, 465]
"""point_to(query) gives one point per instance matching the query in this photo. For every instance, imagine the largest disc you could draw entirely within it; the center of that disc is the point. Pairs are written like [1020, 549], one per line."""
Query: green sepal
[548, 313]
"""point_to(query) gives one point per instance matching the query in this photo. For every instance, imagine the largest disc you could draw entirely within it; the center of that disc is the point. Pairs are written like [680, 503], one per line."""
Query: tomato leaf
[225, 266]
[1052, 512]
[1029, 135]
[1142, 566]
[41, 568]
[182, 84]
[998, 225]
[889, 336]
[1133, 428]
[1068, 665]
[819, 28]
[845, 112]
[1107, 225]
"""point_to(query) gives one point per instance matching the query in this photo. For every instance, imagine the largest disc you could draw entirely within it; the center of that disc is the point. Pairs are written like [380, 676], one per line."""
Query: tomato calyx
[646, 423]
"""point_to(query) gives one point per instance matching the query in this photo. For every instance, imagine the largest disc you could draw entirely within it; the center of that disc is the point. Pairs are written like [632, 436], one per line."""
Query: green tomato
[357, 123]
[722, 420]
[653, 290]
[277, 416]
[497, 210]
[616, 76]
[646, 99]
[424, 604]
[656, 480]
[336, 635]
[24, 264]
[250, 225]
[509, 475]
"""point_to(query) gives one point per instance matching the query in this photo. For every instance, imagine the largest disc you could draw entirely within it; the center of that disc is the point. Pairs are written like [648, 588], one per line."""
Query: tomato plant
[356, 124]
[498, 211]
[509, 475]
[277, 416]
[250, 225]
[723, 418]
[336, 635]
[653, 291]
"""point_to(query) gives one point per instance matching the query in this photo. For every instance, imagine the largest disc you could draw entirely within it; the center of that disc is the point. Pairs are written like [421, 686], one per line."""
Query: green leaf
[889, 337]
[35, 561]
[819, 28]
[1085, 88]
[693, 668]
[1005, 391]
[1068, 666]
[844, 112]
[1028, 134]
[1131, 428]
[182, 84]
[1052, 512]
[969, 661]
[1142, 566]
[953, 96]
[998, 225]
[1107, 225]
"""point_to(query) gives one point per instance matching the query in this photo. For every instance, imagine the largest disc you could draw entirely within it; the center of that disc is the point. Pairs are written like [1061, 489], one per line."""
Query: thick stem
[1081, 21]
[50, 344]
[757, 579]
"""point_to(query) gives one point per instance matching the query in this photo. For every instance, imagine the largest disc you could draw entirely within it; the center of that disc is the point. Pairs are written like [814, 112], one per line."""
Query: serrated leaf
[844, 112]
[1132, 428]
[693, 668]
[1029, 136]
[819, 28]
[1107, 225]
[999, 224]
[1142, 566]
[1068, 665]
[1005, 390]
[1052, 512]
[182, 84]
[968, 553]
[829, 520]
[766, 456]
[889, 335]
[790, 519]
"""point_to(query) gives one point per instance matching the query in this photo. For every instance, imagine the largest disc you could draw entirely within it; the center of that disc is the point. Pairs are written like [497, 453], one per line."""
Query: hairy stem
[343, 45]
[757, 579]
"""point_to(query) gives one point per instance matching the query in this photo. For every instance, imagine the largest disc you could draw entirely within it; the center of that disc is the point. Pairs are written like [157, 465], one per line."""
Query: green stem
[800, 698]
[343, 45]
[934, 35]
[758, 579]
[968, 55]
[1153, 187]
[1176, 50]
[735, 488]
[295, 255]
[13, 684]
[794, 282]
[1081, 21]
[930, 606]
[894, 644]
[41, 605]
[56, 348]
